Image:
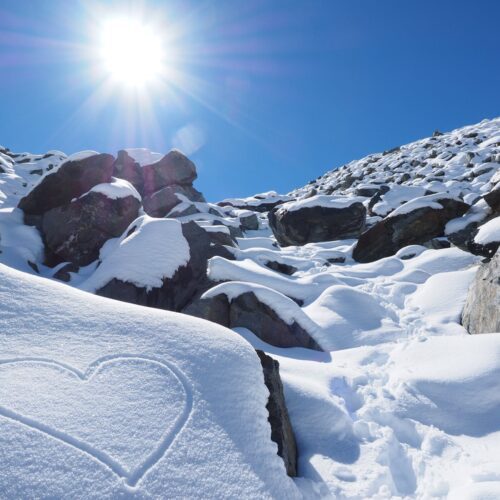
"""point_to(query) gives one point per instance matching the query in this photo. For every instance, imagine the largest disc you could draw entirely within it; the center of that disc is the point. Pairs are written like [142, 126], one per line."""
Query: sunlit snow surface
[404, 403]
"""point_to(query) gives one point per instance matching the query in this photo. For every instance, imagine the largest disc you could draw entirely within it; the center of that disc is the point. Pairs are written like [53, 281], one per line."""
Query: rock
[71, 180]
[316, 223]
[281, 268]
[493, 200]
[481, 312]
[160, 203]
[75, 232]
[173, 168]
[63, 274]
[177, 291]
[125, 167]
[247, 311]
[281, 427]
[418, 226]
[249, 222]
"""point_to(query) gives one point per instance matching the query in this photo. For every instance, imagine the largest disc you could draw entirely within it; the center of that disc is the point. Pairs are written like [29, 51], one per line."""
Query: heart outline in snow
[133, 477]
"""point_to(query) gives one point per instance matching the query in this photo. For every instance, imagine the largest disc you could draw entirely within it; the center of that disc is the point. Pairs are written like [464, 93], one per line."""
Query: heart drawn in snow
[125, 411]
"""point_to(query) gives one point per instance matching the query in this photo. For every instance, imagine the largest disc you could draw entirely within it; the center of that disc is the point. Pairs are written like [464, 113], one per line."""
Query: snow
[105, 399]
[123, 258]
[143, 156]
[430, 201]
[117, 188]
[489, 232]
[80, 155]
[324, 201]
[404, 403]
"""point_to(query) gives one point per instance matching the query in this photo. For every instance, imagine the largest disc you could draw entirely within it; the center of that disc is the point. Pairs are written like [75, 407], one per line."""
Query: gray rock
[481, 312]
[389, 235]
[125, 167]
[73, 179]
[173, 168]
[281, 427]
[75, 232]
[249, 222]
[315, 224]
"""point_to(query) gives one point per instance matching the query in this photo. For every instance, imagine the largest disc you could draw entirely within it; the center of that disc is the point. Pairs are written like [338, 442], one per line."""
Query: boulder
[175, 292]
[249, 222]
[408, 227]
[247, 311]
[315, 223]
[173, 168]
[281, 427]
[125, 167]
[71, 180]
[481, 312]
[160, 203]
[75, 232]
[493, 200]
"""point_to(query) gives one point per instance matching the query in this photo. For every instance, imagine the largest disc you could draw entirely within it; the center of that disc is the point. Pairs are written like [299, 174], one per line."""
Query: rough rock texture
[75, 232]
[280, 267]
[160, 203]
[173, 168]
[249, 222]
[481, 312]
[414, 228]
[176, 291]
[247, 311]
[281, 427]
[125, 167]
[315, 224]
[493, 200]
[73, 179]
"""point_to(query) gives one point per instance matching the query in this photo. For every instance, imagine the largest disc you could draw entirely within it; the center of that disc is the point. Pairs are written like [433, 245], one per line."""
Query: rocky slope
[358, 284]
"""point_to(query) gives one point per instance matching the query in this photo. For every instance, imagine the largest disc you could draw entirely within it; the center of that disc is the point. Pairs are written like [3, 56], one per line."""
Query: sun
[131, 52]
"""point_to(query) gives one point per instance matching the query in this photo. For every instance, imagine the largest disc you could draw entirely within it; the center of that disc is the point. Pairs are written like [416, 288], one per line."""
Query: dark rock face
[173, 168]
[73, 179]
[176, 291]
[315, 224]
[281, 427]
[493, 200]
[414, 228]
[161, 202]
[125, 167]
[281, 268]
[249, 222]
[248, 312]
[481, 312]
[75, 232]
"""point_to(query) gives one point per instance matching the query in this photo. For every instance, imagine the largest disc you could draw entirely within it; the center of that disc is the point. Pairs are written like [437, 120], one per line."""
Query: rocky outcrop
[173, 168]
[414, 227]
[247, 311]
[316, 223]
[281, 427]
[75, 232]
[125, 167]
[176, 291]
[481, 312]
[71, 180]
[160, 203]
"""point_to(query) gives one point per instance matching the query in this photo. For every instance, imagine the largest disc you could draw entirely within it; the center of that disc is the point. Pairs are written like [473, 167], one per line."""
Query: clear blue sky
[274, 92]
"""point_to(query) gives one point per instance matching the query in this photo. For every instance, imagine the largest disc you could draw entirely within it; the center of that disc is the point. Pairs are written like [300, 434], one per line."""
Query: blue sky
[273, 93]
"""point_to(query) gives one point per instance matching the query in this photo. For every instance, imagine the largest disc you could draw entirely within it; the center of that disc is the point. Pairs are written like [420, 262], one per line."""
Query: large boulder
[125, 167]
[173, 168]
[72, 179]
[481, 312]
[184, 251]
[231, 306]
[75, 232]
[413, 223]
[281, 427]
[493, 200]
[160, 203]
[320, 218]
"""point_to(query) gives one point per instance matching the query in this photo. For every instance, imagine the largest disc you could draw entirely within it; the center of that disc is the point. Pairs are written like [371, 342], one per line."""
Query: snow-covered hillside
[364, 285]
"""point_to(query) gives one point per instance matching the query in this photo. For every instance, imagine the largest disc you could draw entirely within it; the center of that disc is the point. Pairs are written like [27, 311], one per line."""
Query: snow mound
[105, 400]
[117, 188]
[124, 258]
